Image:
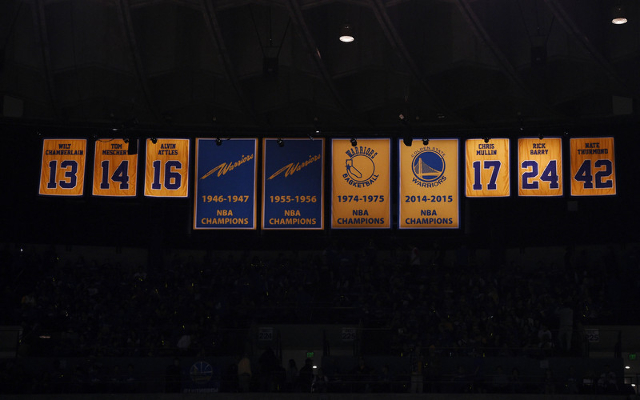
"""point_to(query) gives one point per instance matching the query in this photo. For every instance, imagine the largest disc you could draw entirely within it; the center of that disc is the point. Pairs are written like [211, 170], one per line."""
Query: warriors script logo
[360, 166]
[428, 167]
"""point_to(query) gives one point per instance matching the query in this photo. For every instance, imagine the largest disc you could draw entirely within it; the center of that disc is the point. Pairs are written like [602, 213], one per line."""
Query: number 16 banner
[540, 162]
[167, 168]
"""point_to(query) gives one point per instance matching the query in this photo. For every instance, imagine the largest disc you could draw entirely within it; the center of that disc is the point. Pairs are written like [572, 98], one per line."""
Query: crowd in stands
[424, 305]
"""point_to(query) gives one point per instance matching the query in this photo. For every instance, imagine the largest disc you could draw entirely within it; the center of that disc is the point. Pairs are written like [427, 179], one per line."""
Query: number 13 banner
[593, 168]
[167, 168]
[63, 162]
[114, 170]
[540, 162]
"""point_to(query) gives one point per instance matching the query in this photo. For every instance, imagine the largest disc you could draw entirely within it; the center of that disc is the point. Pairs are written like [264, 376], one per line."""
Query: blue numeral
[529, 174]
[172, 178]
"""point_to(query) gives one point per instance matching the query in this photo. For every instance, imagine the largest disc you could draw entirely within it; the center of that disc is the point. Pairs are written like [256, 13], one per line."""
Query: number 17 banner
[540, 167]
[487, 164]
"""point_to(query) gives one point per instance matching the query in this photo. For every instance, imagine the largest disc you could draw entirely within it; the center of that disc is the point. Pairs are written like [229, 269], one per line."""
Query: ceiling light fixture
[354, 142]
[280, 142]
[346, 33]
[486, 140]
[218, 142]
[425, 141]
[618, 15]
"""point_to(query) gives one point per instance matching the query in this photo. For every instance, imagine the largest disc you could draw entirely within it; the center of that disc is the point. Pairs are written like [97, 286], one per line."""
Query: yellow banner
[63, 164]
[167, 168]
[487, 166]
[360, 188]
[540, 167]
[115, 172]
[429, 184]
[593, 167]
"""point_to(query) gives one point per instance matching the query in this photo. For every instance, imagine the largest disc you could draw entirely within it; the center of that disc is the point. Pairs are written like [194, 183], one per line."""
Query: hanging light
[618, 15]
[346, 34]
[354, 142]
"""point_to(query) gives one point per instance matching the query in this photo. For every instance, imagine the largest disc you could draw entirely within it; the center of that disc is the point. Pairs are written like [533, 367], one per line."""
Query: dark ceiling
[278, 64]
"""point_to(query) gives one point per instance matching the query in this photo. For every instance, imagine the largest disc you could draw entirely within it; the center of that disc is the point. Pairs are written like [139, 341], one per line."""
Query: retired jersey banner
[115, 172]
[487, 168]
[360, 184]
[593, 167]
[292, 184]
[540, 167]
[429, 184]
[63, 164]
[167, 168]
[225, 184]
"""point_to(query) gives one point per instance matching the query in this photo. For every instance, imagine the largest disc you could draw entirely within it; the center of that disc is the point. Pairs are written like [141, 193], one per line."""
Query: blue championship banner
[167, 168]
[63, 164]
[115, 172]
[225, 184]
[593, 167]
[360, 184]
[540, 162]
[429, 184]
[293, 184]
[487, 167]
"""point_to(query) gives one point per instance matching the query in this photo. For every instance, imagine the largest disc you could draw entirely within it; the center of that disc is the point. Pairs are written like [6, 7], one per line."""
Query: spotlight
[280, 142]
[154, 140]
[407, 140]
[346, 34]
[425, 141]
[354, 142]
[618, 15]
[218, 142]
[486, 140]
[541, 136]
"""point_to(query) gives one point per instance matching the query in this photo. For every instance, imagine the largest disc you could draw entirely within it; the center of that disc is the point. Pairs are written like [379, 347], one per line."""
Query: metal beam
[124, 15]
[389, 30]
[314, 52]
[211, 20]
[40, 22]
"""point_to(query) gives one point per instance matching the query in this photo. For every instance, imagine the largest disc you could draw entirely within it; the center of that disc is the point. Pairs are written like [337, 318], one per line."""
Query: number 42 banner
[593, 168]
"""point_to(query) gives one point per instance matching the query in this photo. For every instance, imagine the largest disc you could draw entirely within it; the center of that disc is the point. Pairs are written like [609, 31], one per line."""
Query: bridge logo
[428, 165]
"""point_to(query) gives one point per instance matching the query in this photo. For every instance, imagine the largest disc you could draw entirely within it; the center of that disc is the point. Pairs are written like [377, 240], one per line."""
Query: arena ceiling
[278, 64]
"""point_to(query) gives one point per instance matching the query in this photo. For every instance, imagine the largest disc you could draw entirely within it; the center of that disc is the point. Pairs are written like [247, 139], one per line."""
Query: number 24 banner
[540, 162]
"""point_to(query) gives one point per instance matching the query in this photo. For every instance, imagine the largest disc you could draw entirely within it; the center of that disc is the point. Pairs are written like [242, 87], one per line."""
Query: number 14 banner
[114, 170]
[540, 163]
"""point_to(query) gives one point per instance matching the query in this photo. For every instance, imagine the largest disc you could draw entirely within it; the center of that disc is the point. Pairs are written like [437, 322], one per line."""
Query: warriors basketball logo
[428, 167]
[360, 166]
